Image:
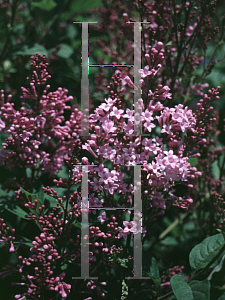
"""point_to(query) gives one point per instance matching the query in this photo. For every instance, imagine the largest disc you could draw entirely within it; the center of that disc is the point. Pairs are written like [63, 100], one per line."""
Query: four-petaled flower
[116, 112]
[108, 126]
[129, 226]
[103, 217]
[145, 72]
[121, 233]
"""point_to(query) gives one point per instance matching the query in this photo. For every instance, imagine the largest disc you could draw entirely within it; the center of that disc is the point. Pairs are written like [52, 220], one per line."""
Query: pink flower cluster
[36, 134]
[176, 118]
[40, 139]
[31, 269]
[163, 167]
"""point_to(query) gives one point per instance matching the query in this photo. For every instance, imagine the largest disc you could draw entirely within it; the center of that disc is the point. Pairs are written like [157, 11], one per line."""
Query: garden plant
[163, 152]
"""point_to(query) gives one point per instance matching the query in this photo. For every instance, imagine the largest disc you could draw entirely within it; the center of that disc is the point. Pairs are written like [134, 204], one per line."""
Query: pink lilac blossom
[29, 129]
[145, 72]
[103, 217]
[129, 226]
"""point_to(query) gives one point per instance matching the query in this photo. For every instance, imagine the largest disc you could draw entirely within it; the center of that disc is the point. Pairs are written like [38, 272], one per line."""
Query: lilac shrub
[187, 30]
[42, 141]
[183, 28]
[164, 156]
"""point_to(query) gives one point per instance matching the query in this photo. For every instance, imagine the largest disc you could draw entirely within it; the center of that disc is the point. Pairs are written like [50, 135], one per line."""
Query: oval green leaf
[196, 290]
[154, 272]
[44, 4]
[181, 289]
[200, 289]
[204, 252]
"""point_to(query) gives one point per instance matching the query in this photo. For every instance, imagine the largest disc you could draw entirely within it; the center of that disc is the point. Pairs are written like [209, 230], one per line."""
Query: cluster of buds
[7, 235]
[165, 279]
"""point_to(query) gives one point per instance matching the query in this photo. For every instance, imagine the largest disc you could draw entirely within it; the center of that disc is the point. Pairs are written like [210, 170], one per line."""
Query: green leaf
[26, 242]
[127, 216]
[76, 224]
[19, 212]
[215, 170]
[170, 43]
[193, 161]
[196, 290]
[63, 173]
[80, 6]
[169, 241]
[29, 173]
[200, 289]
[180, 288]
[30, 50]
[154, 272]
[204, 252]
[72, 32]
[65, 51]
[5, 195]
[44, 4]
[41, 194]
[189, 226]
